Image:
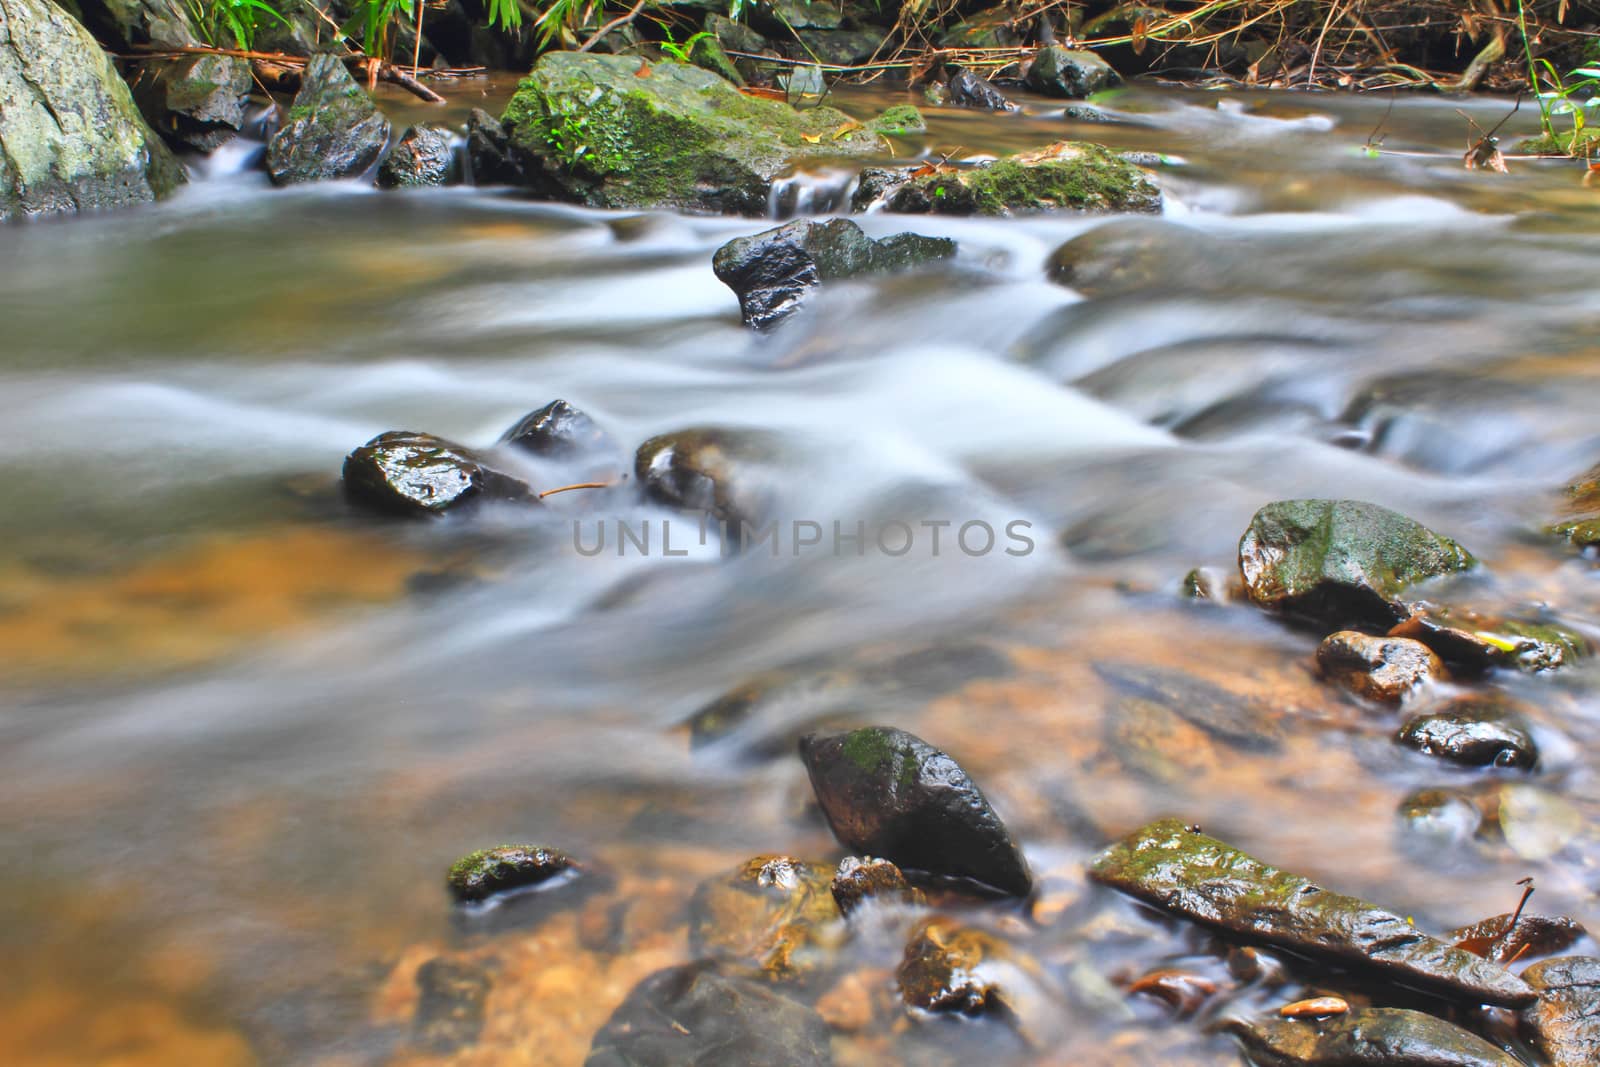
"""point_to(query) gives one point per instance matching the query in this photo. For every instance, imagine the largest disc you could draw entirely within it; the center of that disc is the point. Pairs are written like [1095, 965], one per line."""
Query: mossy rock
[1069, 176]
[900, 120]
[333, 129]
[489, 871]
[617, 134]
[1580, 519]
[71, 138]
[1560, 143]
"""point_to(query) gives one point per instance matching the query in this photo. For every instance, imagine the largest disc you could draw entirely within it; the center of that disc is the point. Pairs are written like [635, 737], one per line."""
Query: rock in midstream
[425, 155]
[1580, 513]
[722, 471]
[1069, 73]
[558, 430]
[1365, 1037]
[889, 793]
[1473, 733]
[333, 129]
[403, 472]
[1198, 877]
[504, 868]
[1565, 1023]
[1385, 669]
[1066, 176]
[692, 1016]
[862, 878]
[1341, 561]
[1533, 936]
[196, 101]
[772, 271]
[772, 912]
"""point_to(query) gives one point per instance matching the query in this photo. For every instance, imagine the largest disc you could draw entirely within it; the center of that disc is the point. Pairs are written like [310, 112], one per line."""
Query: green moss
[869, 749]
[901, 120]
[1561, 143]
[1094, 182]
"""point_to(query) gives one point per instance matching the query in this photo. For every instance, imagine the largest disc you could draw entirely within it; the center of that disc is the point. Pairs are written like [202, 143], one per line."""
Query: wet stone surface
[487, 872]
[1565, 1023]
[420, 475]
[450, 1005]
[1474, 734]
[773, 913]
[859, 880]
[1366, 1037]
[1385, 669]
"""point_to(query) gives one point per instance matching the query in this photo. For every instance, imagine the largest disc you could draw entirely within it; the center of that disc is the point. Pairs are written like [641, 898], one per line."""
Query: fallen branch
[364, 64]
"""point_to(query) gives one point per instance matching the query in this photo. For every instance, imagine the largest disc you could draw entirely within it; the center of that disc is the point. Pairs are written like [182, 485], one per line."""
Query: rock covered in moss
[425, 155]
[1580, 518]
[900, 120]
[1341, 561]
[71, 138]
[1385, 669]
[1473, 733]
[862, 878]
[889, 793]
[196, 102]
[333, 129]
[1069, 176]
[1565, 1023]
[1365, 1037]
[403, 472]
[1072, 74]
[694, 1016]
[678, 137]
[1189, 874]
[482, 874]
[773, 912]
[707, 53]
[773, 270]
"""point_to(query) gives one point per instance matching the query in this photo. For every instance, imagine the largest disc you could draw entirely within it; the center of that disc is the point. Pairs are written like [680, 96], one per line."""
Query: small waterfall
[810, 193]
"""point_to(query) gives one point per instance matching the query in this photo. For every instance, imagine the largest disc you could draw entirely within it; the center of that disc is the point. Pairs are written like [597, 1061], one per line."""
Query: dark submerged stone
[1365, 1037]
[333, 129]
[450, 1005]
[417, 474]
[692, 1016]
[1341, 561]
[1200, 878]
[480, 875]
[944, 971]
[889, 793]
[772, 271]
[772, 912]
[860, 879]
[717, 470]
[557, 430]
[1474, 734]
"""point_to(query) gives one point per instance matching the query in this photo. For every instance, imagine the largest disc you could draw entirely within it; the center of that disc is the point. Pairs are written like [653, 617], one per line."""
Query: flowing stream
[246, 729]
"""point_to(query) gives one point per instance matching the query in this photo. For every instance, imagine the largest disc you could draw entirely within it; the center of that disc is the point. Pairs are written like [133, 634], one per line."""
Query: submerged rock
[1580, 520]
[1070, 176]
[450, 1005]
[407, 473]
[773, 270]
[1385, 669]
[425, 155]
[691, 1016]
[709, 469]
[333, 129]
[557, 430]
[1473, 733]
[1341, 561]
[1126, 256]
[1365, 1037]
[859, 879]
[1202, 879]
[197, 102]
[1565, 1023]
[889, 793]
[1069, 73]
[480, 875]
[944, 969]
[71, 138]
[1440, 817]
[679, 137]
[773, 912]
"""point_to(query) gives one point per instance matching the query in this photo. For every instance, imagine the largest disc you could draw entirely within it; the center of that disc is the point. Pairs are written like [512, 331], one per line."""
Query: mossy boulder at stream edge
[615, 132]
[1068, 176]
[71, 138]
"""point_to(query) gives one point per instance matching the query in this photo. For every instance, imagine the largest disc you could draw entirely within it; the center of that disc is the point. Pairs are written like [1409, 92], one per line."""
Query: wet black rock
[772, 912]
[1473, 733]
[489, 154]
[424, 156]
[841, 47]
[1385, 669]
[969, 90]
[692, 1016]
[195, 102]
[417, 474]
[1341, 561]
[450, 1005]
[558, 431]
[1365, 1037]
[1565, 1023]
[888, 793]
[1069, 73]
[1533, 936]
[333, 129]
[1197, 877]
[480, 875]
[860, 879]
[722, 472]
[1475, 642]
[773, 270]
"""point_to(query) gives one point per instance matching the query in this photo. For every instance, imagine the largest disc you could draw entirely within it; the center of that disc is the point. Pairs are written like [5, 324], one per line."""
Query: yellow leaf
[811, 138]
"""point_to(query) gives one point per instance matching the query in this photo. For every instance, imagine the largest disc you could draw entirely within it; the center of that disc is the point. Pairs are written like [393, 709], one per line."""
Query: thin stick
[579, 485]
[620, 20]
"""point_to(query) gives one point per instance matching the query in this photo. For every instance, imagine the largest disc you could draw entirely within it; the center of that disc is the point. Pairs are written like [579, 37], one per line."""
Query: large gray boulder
[333, 130]
[71, 138]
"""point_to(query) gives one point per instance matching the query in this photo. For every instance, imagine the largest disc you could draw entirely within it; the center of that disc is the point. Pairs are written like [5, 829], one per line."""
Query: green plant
[1563, 100]
[219, 20]
[681, 51]
[373, 21]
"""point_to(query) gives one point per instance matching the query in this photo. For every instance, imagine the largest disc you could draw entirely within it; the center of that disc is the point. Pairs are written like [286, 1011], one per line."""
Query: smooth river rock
[888, 793]
[1565, 1023]
[403, 472]
[1067, 176]
[506, 868]
[1198, 877]
[1069, 73]
[1473, 733]
[1385, 669]
[1366, 1037]
[425, 155]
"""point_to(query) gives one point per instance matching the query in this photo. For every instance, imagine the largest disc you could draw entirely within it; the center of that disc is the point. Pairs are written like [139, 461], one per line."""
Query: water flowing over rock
[71, 138]
[773, 270]
[772, 912]
[610, 135]
[425, 155]
[451, 998]
[1068, 176]
[723, 472]
[889, 793]
[406, 473]
[333, 129]
[1200, 878]
[1341, 561]
[860, 879]
[1064, 72]
[557, 430]
[197, 101]
[692, 1016]
[1366, 1037]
